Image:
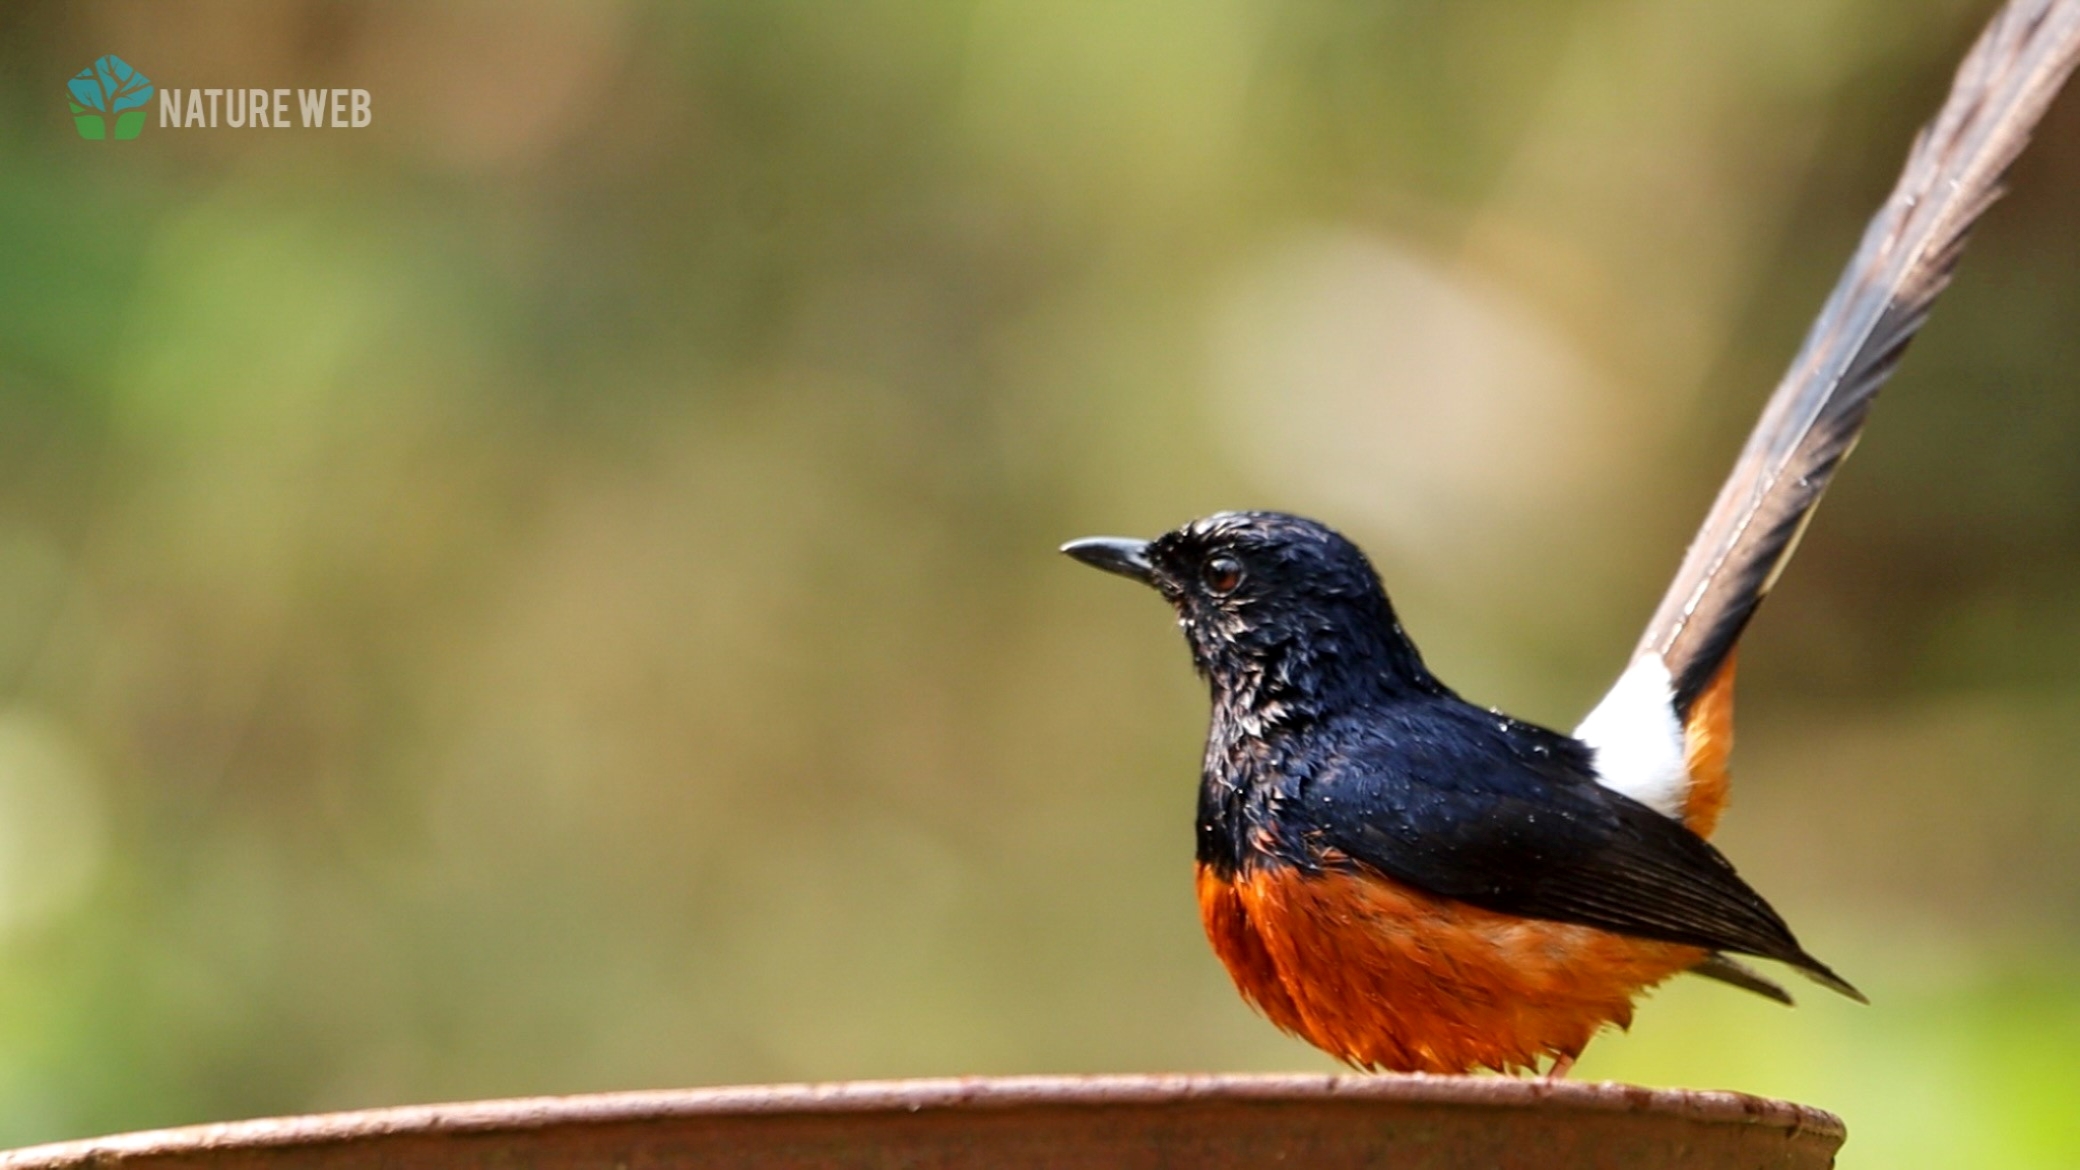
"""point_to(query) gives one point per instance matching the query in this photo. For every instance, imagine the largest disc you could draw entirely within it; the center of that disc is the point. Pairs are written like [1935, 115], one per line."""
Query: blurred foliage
[555, 591]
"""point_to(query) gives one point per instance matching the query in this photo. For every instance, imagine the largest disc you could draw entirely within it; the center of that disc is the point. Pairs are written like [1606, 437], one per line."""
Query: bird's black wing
[1508, 817]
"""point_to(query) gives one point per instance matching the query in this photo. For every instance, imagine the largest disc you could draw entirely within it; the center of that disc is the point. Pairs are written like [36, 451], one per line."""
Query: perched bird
[1415, 883]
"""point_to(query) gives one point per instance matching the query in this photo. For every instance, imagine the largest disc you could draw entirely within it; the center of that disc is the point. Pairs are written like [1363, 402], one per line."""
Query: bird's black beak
[1114, 554]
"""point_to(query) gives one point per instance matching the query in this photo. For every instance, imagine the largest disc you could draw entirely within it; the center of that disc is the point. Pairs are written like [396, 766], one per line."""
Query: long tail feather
[1953, 174]
[1732, 971]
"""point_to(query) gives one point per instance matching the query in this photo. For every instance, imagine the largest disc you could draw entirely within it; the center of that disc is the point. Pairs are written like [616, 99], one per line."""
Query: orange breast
[1386, 977]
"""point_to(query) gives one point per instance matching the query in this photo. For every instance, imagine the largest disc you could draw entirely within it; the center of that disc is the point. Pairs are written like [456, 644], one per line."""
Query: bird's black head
[1278, 609]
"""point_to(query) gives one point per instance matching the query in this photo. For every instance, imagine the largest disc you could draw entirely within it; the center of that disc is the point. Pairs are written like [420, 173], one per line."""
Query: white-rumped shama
[1415, 883]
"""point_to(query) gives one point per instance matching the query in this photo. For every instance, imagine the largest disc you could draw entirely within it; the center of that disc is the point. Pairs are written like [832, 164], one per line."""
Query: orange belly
[1386, 977]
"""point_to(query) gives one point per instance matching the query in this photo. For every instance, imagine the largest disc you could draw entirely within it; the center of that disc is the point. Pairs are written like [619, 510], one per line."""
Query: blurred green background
[555, 591]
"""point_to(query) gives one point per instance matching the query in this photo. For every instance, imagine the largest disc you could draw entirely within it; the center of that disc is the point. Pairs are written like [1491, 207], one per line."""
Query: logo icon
[109, 88]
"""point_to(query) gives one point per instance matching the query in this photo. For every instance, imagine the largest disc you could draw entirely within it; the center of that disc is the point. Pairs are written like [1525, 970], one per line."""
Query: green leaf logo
[109, 87]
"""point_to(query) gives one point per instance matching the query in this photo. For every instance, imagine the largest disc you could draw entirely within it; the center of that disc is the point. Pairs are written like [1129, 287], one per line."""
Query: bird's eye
[1222, 575]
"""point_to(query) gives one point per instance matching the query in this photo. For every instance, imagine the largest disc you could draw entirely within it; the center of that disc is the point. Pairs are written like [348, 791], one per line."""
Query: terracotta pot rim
[952, 1093]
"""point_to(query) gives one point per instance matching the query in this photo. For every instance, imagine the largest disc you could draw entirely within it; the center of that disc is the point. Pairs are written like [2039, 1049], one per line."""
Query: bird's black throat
[1307, 637]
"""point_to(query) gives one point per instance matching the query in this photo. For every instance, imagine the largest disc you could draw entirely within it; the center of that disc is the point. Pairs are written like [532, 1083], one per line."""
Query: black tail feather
[1952, 175]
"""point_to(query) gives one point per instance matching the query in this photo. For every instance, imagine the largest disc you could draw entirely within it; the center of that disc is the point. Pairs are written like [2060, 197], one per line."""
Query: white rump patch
[1638, 740]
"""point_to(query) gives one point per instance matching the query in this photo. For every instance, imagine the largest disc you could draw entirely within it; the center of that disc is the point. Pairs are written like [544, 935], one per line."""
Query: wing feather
[1509, 817]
